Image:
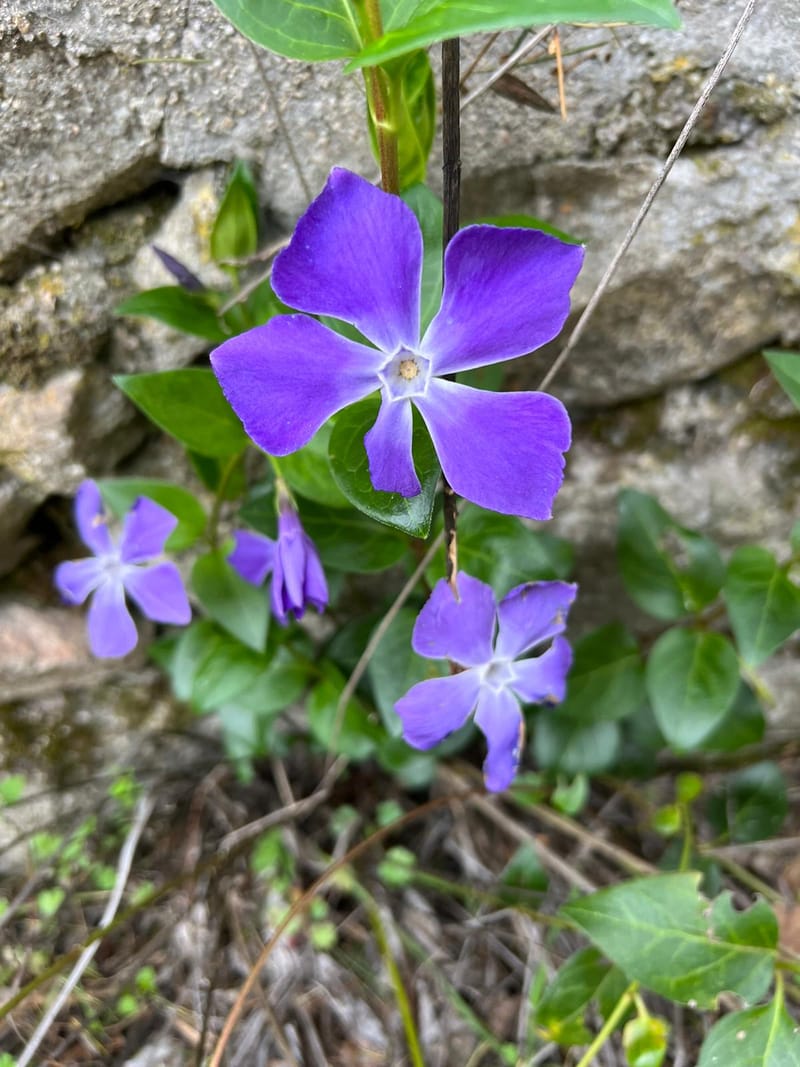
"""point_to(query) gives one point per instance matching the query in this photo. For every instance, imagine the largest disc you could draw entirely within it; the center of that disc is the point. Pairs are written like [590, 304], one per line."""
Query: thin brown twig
[303, 902]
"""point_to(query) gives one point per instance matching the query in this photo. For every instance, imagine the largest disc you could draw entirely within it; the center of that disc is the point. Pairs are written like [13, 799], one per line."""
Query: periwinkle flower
[356, 254]
[486, 639]
[297, 575]
[120, 567]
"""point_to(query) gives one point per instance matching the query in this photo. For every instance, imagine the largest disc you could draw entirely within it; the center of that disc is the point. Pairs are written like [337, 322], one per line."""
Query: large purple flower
[356, 254]
[297, 575]
[493, 679]
[122, 567]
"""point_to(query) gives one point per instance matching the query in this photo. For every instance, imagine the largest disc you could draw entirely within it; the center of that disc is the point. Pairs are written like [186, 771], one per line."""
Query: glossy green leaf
[326, 29]
[234, 234]
[350, 469]
[413, 96]
[428, 209]
[786, 368]
[661, 932]
[750, 805]
[560, 744]
[241, 608]
[352, 734]
[281, 682]
[561, 1009]
[502, 551]
[416, 25]
[395, 667]
[606, 681]
[765, 1036]
[351, 542]
[525, 871]
[645, 1040]
[308, 472]
[220, 474]
[192, 313]
[408, 766]
[692, 679]
[763, 603]
[187, 404]
[119, 495]
[667, 569]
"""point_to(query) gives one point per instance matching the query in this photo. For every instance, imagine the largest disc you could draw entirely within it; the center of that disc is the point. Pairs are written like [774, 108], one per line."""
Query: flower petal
[356, 254]
[531, 614]
[76, 578]
[112, 632]
[460, 630]
[506, 292]
[286, 378]
[253, 556]
[500, 719]
[145, 531]
[159, 593]
[315, 589]
[503, 451]
[432, 709]
[90, 519]
[388, 445]
[543, 680]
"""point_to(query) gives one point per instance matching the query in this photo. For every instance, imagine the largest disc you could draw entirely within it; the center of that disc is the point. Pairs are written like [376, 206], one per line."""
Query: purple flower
[121, 567]
[356, 254]
[297, 575]
[493, 680]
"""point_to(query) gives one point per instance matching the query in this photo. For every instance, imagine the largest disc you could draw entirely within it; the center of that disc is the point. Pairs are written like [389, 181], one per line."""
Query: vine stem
[609, 1025]
[451, 201]
[379, 102]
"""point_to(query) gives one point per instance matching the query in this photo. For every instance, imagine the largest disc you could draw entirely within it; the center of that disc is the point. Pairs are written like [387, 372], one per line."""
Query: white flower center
[498, 674]
[405, 374]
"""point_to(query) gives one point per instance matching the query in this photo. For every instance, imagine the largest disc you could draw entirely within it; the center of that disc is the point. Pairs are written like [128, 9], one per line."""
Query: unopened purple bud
[184, 277]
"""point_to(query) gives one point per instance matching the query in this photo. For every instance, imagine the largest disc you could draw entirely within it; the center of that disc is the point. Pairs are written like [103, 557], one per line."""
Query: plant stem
[609, 1026]
[213, 519]
[451, 202]
[379, 100]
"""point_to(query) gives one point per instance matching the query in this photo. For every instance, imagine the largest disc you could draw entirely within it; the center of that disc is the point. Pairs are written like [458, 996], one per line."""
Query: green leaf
[428, 209]
[210, 668]
[235, 231]
[219, 475]
[561, 744]
[413, 96]
[192, 313]
[48, 901]
[525, 871]
[765, 1036]
[786, 368]
[763, 603]
[349, 541]
[411, 768]
[395, 667]
[667, 569]
[308, 471]
[794, 538]
[743, 724]
[416, 25]
[664, 934]
[645, 1041]
[692, 679]
[350, 469]
[606, 681]
[502, 551]
[12, 786]
[327, 29]
[566, 998]
[187, 404]
[120, 494]
[241, 608]
[354, 734]
[750, 805]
